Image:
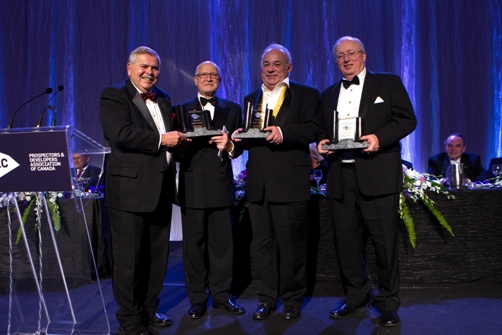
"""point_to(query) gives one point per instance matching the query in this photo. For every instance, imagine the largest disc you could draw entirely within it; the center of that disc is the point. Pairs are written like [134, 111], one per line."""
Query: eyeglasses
[351, 54]
[205, 75]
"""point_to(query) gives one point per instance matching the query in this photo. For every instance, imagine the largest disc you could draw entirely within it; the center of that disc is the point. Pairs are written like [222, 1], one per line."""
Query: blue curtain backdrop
[447, 52]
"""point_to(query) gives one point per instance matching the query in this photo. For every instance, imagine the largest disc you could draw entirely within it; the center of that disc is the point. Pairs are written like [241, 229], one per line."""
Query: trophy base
[346, 144]
[199, 132]
[252, 133]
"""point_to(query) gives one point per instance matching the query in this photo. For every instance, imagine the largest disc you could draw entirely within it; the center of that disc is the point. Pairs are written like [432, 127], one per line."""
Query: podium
[37, 162]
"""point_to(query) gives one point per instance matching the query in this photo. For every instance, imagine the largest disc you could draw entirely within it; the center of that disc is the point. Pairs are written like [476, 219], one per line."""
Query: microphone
[60, 88]
[54, 116]
[47, 91]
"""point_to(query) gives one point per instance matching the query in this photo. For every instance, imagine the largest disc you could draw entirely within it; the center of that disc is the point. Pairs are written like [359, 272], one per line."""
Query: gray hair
[348, 38]
[140, 51]
[279, 47]
[208, 62]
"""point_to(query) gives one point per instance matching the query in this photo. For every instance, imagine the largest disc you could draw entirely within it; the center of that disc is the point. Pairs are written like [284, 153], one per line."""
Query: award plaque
[195, 122]
[255, 120]
[346, 134]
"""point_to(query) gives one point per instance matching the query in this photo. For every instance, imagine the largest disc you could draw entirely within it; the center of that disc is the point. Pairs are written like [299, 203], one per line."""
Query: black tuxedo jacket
[283, 171]
[439, 165]
[390, 118]
[136, 166]
[205, 181]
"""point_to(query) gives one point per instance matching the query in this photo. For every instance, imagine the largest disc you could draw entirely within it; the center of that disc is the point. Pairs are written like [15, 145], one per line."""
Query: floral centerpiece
[28, 201]
[414, 186]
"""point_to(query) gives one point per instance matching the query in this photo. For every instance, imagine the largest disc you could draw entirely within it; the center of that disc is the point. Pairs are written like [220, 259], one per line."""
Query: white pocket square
[378, 100]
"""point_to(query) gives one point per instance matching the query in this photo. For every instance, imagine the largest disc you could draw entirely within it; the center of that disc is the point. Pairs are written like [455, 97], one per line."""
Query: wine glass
[317, 176]
[497, 170]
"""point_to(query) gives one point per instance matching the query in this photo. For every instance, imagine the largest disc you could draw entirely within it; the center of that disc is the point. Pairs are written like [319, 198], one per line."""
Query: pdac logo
[7, 164]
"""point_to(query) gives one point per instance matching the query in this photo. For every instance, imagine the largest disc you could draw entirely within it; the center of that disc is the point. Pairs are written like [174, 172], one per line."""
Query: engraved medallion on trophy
[346, 134]
[195, 121]
[256, 118]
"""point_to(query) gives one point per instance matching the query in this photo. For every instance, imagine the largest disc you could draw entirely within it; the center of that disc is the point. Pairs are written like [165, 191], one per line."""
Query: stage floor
[468, 308]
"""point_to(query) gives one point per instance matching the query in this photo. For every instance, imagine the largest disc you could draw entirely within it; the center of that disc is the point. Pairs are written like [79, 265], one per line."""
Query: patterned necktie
[347, 83]
[204, 101]
[148, 96]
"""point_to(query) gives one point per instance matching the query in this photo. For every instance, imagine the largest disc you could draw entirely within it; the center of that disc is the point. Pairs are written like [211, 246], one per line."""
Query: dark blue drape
[447, 52]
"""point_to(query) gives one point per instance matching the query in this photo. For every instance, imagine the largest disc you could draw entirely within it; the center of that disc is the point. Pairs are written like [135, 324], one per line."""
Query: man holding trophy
[365, 116]
[206, 195]
[278, 180]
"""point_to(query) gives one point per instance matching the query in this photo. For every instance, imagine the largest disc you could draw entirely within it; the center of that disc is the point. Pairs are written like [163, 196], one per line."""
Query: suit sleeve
[432, 167]
[402, 118]
[308, 129]
[124, 126]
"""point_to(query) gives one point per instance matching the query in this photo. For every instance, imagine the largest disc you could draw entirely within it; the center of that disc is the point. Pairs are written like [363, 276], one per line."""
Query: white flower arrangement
[29, 201]
[415, 184]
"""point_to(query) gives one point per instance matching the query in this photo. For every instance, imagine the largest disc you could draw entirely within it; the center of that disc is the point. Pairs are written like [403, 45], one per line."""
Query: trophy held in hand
[346, 134]
[255, 120]
[195, 122]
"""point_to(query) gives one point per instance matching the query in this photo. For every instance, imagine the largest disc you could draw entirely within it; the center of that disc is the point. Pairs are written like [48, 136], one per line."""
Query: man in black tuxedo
[83, 171]
[363, 186]
[207, 196]
[438, 165]
[140, 189]
[278, 184]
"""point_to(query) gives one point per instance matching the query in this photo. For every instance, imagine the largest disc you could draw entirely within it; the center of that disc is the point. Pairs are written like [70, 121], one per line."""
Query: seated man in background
[439, 164]
[84, 170]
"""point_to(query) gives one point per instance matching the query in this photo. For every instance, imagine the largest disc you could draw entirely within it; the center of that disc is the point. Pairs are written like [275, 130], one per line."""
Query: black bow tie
[146, 96]
[204, 101]
[347, 83]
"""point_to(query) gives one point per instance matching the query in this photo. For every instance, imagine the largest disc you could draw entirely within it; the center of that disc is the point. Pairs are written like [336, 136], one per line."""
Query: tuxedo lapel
[165, 110]
[333, 104]
[220, 115]
[140, 104]
[286, 106]
[446, 166]
[368, 88]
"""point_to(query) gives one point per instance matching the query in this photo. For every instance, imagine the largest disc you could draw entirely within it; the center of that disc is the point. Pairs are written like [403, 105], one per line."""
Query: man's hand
[222, 142]
[174, 138]
[275, 136]
[374, 143]
[321, 150]
[237, 131]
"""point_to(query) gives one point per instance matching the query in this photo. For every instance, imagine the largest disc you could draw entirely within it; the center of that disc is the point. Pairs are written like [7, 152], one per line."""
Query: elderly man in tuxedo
[207, 196]
[140, 189]
[278, 184]
[363, 186]
[439, 164]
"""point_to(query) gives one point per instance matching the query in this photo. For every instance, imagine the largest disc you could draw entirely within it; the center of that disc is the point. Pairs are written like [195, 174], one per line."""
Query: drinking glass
[497, 169]
[317, 177]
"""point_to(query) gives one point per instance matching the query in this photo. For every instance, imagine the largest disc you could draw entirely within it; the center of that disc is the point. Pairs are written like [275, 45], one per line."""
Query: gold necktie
[280, 100]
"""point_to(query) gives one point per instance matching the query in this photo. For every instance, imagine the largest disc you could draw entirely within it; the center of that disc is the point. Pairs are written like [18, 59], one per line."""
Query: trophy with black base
[346, 134]
[195, 122]
[255, 120]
